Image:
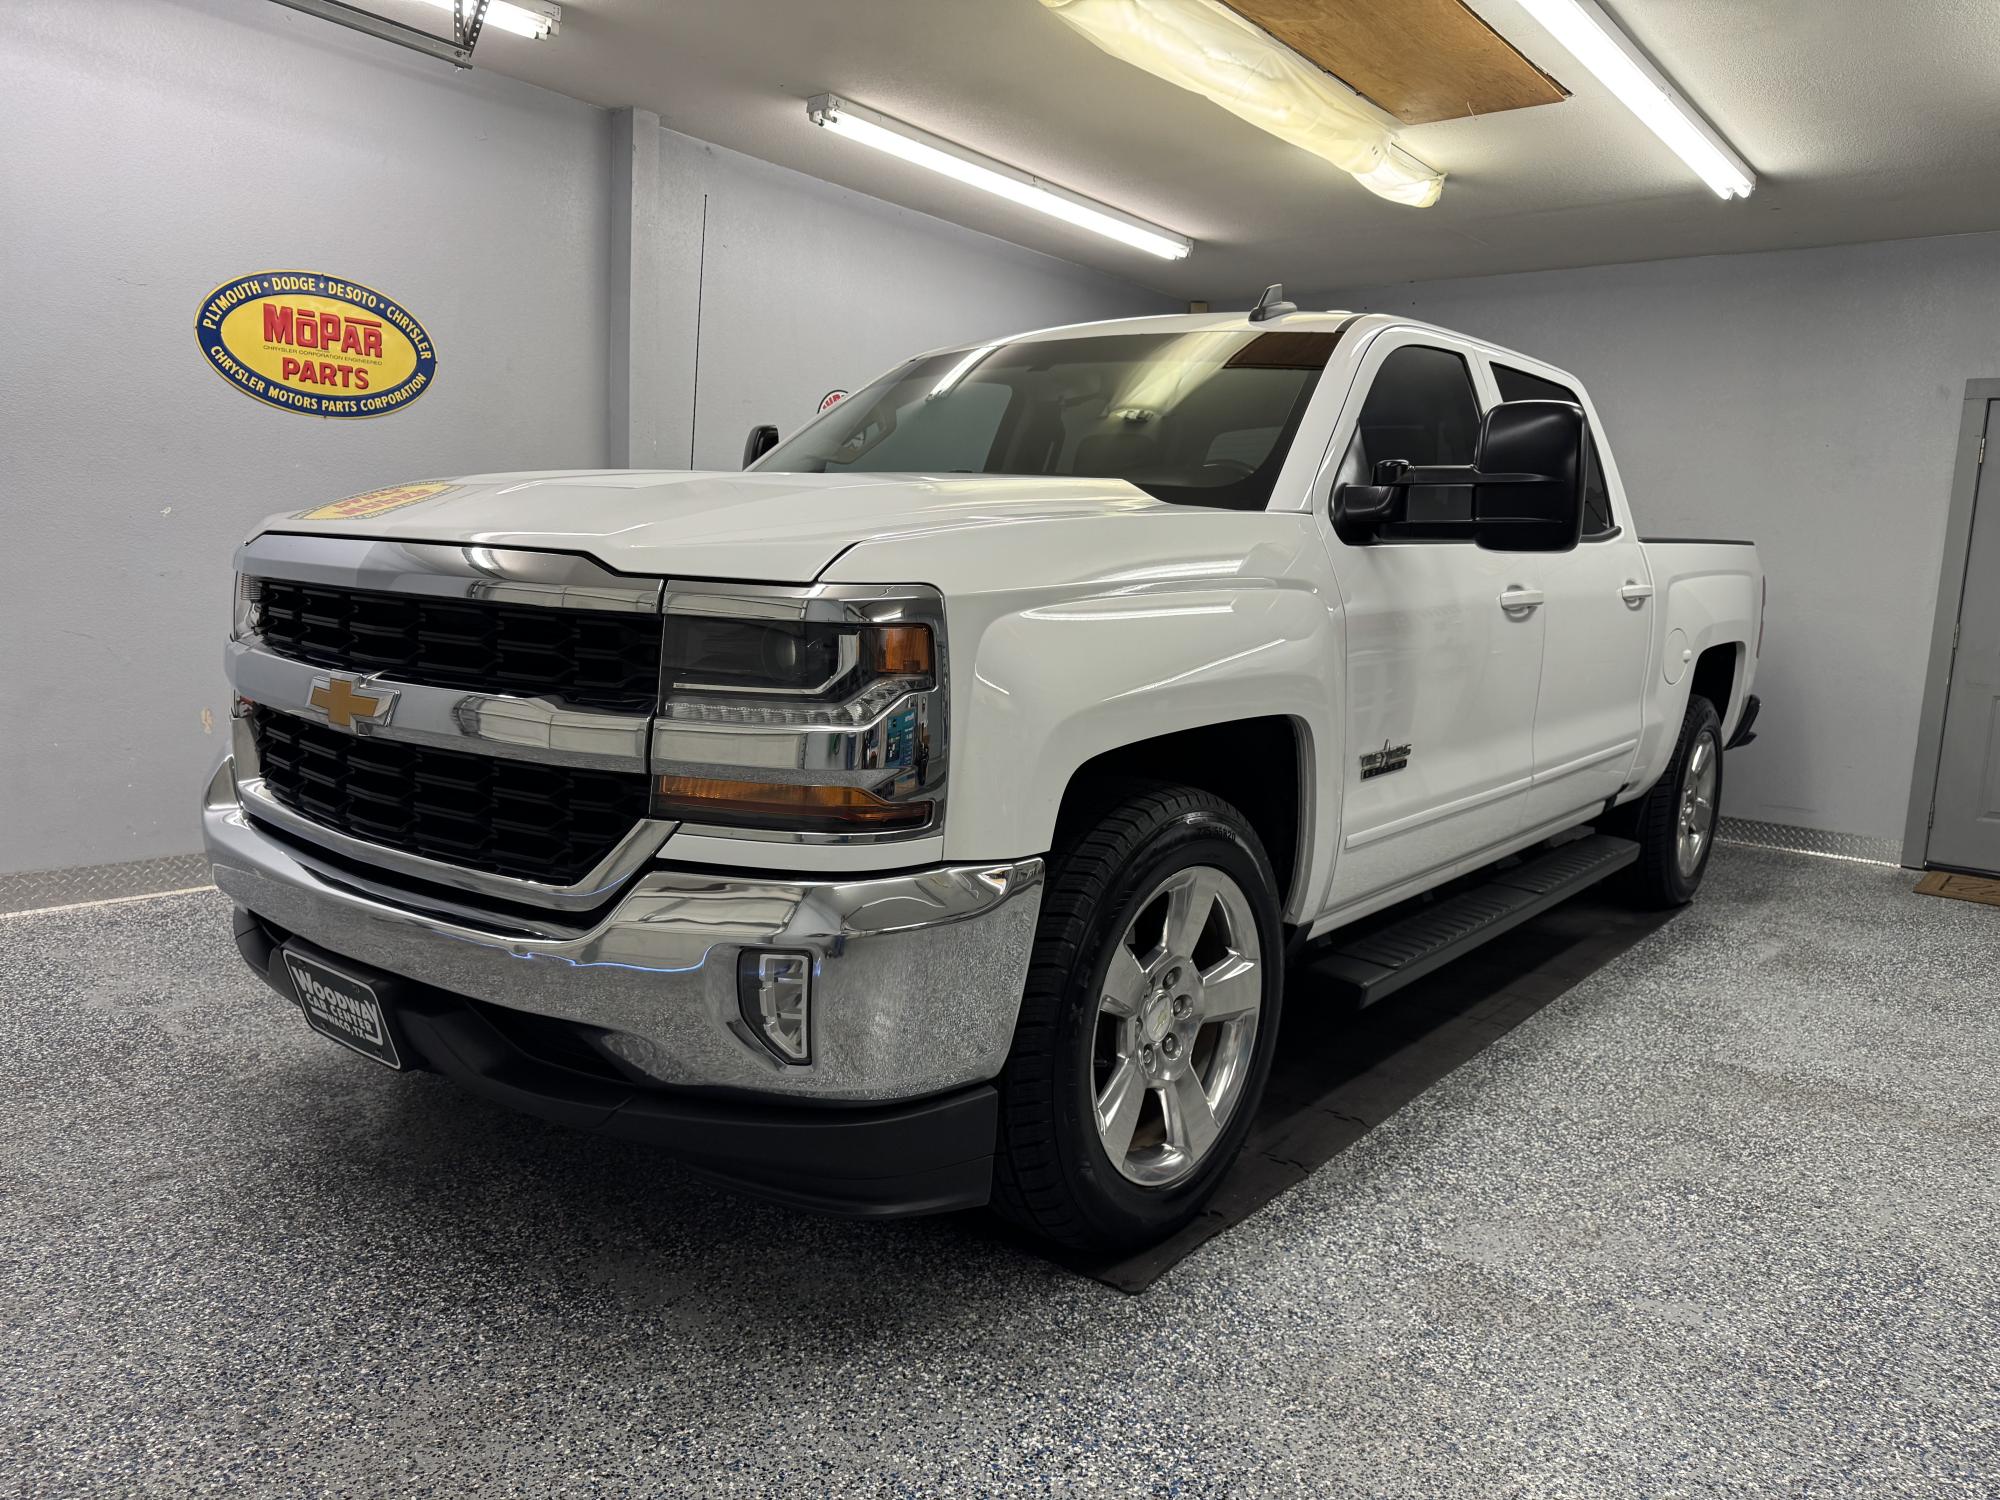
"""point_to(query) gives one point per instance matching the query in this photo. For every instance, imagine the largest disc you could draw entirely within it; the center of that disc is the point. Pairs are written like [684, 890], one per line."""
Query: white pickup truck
[931, 813]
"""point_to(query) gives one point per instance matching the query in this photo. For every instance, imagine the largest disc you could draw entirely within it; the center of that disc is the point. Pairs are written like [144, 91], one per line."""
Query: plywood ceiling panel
[1421, 60]
[1792, 85]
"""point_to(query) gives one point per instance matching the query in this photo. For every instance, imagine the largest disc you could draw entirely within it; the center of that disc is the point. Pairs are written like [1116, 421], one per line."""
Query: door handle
[1633, 593]
[1520, 600]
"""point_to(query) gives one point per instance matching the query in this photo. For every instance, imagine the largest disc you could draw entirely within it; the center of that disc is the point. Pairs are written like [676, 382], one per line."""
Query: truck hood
[777, 528]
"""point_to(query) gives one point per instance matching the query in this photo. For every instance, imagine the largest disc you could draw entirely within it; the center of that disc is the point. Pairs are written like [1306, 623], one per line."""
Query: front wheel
[1148, 1024]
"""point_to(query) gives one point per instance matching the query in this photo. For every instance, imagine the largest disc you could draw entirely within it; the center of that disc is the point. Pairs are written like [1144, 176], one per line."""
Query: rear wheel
[1148, 1024]
[1675, 821]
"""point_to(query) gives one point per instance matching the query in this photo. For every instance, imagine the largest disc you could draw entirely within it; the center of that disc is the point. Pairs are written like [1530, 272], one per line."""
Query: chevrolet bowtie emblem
[346, 707]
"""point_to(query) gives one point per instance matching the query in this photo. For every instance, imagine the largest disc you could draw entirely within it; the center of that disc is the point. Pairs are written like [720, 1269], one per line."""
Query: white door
[1598, 610]
[1442, 664]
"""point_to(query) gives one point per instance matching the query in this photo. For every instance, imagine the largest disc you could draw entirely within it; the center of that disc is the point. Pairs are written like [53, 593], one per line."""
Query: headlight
[796, 664]
[243, 624]
[814, 714]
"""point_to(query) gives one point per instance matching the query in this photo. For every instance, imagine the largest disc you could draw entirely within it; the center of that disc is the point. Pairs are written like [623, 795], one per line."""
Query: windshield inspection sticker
[831, 399]
[374, 502]
[307, 342]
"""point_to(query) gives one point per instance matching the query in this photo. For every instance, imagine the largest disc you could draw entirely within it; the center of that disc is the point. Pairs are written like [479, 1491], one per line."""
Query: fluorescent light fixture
[533, 19]
[1594, 40]
[961, 165]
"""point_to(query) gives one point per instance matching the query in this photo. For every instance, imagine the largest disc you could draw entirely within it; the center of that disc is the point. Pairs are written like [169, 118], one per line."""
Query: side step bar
[1388, 958]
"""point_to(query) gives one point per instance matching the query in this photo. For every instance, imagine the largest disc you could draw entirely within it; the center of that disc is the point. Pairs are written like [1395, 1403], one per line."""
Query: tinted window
[922, 437]
[1203, 417]
[1422, 407]
[1519, 385]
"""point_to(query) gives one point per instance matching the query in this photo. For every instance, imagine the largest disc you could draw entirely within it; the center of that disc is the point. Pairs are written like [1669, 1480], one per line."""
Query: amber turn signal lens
[901, 650]
[770, 804]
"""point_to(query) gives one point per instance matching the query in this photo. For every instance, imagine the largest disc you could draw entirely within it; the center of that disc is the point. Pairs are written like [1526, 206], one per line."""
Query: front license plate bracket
[343, 1007]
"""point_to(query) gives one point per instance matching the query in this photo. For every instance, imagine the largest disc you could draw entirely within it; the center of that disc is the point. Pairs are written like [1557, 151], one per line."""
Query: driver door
[1444, 643]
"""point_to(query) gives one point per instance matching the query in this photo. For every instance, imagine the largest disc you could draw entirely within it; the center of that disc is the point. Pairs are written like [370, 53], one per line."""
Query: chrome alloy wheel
[1697, 814]
[1176, 1026]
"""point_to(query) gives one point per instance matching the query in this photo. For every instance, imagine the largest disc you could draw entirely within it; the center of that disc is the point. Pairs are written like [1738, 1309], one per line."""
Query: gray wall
[1810, 400]
[804, 287]
[156, 148]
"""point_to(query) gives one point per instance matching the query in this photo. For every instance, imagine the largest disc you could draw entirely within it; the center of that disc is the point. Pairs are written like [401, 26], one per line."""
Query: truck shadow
[1340, 1073]
[591, 1221]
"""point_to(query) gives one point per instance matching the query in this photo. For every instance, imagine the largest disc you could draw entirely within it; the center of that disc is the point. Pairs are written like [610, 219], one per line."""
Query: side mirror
[1528, 496]
[1526, 483]
[761, 441]
[1360, 511]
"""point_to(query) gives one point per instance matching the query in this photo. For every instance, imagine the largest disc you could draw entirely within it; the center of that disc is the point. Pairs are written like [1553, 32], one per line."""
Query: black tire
[1658, 880]
[1052, 1173]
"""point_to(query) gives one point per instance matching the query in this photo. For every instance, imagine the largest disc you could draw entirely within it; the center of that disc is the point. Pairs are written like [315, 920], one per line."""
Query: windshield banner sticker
[374, 502]
[307, 342]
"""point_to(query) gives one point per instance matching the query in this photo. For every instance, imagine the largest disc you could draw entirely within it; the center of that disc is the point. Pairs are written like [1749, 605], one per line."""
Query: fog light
[774, 992]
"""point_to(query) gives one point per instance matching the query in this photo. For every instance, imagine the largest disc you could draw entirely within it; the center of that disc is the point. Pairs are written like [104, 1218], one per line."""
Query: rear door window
[1519, 385]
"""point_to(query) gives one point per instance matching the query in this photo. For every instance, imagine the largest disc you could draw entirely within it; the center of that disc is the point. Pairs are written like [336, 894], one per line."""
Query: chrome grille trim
[499, 575]
[452, 719]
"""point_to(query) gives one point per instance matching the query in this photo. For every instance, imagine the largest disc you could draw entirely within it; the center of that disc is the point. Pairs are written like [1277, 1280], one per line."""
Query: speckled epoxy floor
[1719, 1221]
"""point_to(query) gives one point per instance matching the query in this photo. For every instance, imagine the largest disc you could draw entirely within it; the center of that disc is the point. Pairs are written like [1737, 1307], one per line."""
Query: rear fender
[1698, 611]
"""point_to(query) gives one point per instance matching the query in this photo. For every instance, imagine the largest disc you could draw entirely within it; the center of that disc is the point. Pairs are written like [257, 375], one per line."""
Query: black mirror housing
[1526, 483]
[1360, 511]
[1533, 501]
[761, 441]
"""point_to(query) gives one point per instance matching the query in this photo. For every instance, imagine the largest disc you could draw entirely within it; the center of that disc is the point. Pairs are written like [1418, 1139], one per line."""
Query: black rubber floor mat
[1339, 1074]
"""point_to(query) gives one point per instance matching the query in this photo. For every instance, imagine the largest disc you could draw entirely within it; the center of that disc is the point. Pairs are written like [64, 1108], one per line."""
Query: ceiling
[1864, 120]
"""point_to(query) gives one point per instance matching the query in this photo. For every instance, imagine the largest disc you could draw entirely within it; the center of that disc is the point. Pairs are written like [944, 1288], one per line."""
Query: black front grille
[507, 817]
[590, 658]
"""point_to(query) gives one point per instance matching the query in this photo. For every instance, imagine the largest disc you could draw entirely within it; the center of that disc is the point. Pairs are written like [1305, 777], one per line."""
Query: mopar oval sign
[313, 343]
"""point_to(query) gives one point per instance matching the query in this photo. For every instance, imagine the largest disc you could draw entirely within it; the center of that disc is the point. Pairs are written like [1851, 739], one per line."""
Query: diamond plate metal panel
[31, 890]
[1819, 841]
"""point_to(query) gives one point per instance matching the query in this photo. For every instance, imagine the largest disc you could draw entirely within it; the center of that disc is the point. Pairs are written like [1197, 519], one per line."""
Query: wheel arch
[1717, 671]
[1262, 766]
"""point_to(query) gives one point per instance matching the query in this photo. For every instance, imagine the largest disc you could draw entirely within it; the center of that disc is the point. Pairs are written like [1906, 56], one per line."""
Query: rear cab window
[1521, 385]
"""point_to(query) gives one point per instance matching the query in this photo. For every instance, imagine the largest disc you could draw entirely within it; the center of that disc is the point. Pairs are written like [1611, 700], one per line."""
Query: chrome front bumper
[917, 977]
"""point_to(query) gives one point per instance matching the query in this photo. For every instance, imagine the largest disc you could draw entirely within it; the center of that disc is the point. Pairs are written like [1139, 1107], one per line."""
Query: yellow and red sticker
[307, 342]
[375, 502]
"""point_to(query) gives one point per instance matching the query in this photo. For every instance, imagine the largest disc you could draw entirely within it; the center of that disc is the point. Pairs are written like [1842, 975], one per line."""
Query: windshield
[1197, 418]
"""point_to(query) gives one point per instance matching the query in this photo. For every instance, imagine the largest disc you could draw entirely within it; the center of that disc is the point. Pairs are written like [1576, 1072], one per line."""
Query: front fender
[1054, 685]
[1071, 637]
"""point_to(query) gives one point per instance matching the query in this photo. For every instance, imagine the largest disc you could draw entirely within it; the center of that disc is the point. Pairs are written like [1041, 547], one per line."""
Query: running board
[1388, 958]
